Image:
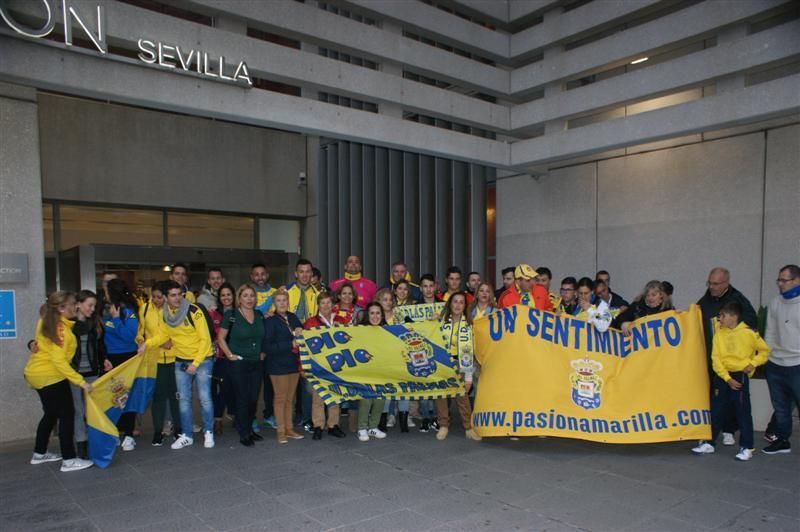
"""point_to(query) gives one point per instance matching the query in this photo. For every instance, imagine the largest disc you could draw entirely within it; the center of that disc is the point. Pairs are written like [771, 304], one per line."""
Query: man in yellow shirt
[184, 325]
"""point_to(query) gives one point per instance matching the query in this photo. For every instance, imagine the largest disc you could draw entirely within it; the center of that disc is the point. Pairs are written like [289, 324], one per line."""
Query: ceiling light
[640, 60]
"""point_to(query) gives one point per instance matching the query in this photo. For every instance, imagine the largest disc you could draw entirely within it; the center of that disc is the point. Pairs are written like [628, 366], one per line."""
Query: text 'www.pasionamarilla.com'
[639, 422]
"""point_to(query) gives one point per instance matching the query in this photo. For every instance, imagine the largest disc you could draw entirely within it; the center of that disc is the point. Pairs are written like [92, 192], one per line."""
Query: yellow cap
[525, 271]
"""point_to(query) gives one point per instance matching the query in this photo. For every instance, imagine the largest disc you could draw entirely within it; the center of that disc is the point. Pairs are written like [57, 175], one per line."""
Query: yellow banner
[394, 362]
[420, 312]
[543, 374]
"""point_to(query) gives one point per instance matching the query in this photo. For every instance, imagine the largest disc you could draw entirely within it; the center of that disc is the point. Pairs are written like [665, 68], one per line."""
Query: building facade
[651, 138]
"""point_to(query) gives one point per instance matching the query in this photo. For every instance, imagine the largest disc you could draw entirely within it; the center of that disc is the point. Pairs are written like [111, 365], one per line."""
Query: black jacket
[637, 309]
[710, 305]
[94, 347]
[277, 344]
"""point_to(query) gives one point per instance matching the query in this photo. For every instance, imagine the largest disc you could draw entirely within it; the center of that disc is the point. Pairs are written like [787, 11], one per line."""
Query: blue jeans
[726, 400]
[784, 391]
[426, 409]
[184, 382]
[402, 405]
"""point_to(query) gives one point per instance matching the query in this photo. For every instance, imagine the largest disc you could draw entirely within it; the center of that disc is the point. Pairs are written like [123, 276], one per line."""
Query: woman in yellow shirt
[49, 372]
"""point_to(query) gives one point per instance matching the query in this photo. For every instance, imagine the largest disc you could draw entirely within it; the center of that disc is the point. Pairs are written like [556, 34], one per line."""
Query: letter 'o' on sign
[31, 32]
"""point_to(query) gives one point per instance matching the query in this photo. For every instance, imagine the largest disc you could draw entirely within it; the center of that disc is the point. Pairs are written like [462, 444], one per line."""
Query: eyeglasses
[781, 281]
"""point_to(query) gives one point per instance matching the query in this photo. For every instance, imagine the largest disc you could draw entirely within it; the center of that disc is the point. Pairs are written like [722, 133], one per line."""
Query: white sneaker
[728, 439]
[76, 464]
[363, 435]
[38, 458]
[182, 441]
[128, 444]
[209, 440]
[703, 448]
[411, 424]
[391, 420]
[744, 454]
[378, 434]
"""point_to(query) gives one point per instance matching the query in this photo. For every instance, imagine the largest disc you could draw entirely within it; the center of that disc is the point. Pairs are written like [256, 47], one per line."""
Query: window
[47, 226]
[81, 225]
[210, 230]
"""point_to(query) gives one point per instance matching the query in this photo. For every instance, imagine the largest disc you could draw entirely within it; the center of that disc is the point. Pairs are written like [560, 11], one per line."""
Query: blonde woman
[240, 338]
[484, 302]
[49, 372]
[283, 362]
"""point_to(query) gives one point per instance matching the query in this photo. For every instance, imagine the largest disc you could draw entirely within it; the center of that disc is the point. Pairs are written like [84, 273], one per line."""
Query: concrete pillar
[20, 232]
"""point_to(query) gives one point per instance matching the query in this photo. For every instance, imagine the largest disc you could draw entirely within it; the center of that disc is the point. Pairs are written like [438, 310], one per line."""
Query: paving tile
[44, 514]
[665, 524]
[294, 484]
[410, 494]
[596, 514]
[216, 500]
[82, 525]
[320, 495]
[756, 519]
[52, 495]
[352, 511]
[140, 516]
[456, 507]
[741, 492]
[133, 496]
[705, 511]
[293, 522]
[770, 476]
[785, 503]
[400, 521]
[506, 518]
[244, 514]
[185, 523]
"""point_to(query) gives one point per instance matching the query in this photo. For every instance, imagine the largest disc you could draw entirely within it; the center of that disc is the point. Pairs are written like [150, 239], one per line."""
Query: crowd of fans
[232, 345]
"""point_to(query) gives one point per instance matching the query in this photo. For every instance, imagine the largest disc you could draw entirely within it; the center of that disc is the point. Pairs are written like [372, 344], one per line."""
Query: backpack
[209, 322]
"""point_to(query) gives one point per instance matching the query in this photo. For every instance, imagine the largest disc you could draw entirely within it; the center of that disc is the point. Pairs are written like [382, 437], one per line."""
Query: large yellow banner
[394, 362]
[544, 374]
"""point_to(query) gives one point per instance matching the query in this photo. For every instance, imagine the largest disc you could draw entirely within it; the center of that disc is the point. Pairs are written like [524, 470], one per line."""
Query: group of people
[231, 343]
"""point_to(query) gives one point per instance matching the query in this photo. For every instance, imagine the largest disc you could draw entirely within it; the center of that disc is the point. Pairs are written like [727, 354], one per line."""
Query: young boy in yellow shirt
[736, 352]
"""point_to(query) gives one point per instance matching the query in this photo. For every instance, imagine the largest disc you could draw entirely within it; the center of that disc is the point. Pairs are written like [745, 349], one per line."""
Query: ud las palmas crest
[119, 393]
[418, 354]
[586, 383]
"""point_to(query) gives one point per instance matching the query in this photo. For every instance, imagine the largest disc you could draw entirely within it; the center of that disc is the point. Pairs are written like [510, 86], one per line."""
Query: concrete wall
[99, 152]
[20, 232]
[669, 214]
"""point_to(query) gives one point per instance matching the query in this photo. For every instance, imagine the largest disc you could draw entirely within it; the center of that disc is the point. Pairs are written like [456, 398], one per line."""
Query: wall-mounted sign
[13, 268]
[8, 315]
[169, 56]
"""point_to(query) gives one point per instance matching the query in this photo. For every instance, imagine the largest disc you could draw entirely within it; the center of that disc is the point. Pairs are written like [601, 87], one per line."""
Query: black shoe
[336, 432]
[317, 434]
[403, 417]
[435, 425]
[780, 446]
[382, 422]
[308, 426]
[425, 426]
[256, 437]
[247, 442]
[158, 440]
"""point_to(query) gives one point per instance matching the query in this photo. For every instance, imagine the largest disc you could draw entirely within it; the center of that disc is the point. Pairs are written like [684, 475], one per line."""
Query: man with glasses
[783, 368]
[719, 291]
[568, 300]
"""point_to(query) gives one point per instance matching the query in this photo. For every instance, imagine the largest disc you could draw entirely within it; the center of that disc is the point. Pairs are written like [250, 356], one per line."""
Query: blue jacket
[119, 334]
[277, 345]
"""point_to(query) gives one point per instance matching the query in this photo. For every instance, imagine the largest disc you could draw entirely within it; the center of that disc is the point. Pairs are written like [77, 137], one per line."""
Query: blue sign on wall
[8, 315]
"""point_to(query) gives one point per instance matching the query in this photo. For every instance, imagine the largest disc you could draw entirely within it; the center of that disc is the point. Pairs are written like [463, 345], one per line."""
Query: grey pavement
[406, 482]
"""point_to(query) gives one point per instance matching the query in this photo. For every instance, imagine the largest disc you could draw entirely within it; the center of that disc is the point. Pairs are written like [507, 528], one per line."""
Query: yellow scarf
[352, 276]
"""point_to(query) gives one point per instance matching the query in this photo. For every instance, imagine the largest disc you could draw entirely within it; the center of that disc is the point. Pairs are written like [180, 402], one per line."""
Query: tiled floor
[406, 482]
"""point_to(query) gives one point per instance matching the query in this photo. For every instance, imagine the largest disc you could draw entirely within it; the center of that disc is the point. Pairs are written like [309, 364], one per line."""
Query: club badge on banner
[545, 374]
[394, 362]
[126, 388]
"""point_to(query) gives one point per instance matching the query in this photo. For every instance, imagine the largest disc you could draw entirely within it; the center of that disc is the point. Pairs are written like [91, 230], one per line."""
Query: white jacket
[783, 331]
